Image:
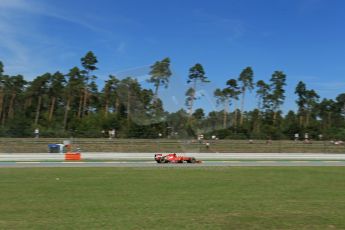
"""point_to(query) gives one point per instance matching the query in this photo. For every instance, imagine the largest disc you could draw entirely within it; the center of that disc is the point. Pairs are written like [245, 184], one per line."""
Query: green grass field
[173, 198]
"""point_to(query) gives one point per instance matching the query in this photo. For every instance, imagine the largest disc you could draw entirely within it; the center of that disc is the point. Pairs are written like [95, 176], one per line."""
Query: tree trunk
[3, 119]
[28, 102]
[1, 102]
[10, 108]
[234, 122]
[301, 120]
[192, 100]
[67, 108]
[128, 105]
[38, 109]
[80, 109]
[275, 117]
[190, 112]
[242, 107]
[86, 95]
[225, 115]
[52, 107]
[86, 92]
[106, 107]
[224, 119]
[308, 118]
[256, 125]
[156, 93]
[117, 106]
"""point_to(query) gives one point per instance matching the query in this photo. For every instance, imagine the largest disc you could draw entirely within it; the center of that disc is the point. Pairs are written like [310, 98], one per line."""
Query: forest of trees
[71, 104]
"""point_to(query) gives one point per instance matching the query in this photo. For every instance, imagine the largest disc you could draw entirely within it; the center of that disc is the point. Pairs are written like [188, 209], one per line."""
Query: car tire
[162, 160]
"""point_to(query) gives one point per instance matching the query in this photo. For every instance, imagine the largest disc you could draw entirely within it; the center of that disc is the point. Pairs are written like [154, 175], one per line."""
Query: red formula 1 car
[173, 158]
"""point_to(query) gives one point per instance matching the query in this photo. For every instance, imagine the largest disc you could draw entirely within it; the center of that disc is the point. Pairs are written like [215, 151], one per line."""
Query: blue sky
[303, 38]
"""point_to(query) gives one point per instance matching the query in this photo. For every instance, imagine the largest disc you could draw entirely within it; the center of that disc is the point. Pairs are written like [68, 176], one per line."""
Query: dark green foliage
[1, 68]
[64, 105]
[199, 114]
[196, 76]
[89, 61]
[197, 73]
[160, 74]
[307, 104]
[246, 79]
[263, 91]
[277, 89]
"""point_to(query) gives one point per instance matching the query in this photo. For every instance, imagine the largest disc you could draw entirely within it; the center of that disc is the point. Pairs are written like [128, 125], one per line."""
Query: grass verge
[173, 198]
[31, 145]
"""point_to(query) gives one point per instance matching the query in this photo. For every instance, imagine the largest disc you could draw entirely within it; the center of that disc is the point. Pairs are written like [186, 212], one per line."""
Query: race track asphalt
[146, 160]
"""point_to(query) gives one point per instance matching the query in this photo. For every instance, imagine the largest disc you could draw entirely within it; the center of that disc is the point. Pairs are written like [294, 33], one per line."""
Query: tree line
[71, 104]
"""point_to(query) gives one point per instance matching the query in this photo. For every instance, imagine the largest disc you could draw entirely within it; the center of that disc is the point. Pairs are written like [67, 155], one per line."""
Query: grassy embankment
[173, 198]
[30, 145]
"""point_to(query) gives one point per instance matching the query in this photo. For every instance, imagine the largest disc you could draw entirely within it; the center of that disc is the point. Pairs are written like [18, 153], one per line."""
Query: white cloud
[320, 84]
[234, 28]
[26, 48]
[15, 4]
[121, 48]
[141, 73]
[329, 86]
[14, 28]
